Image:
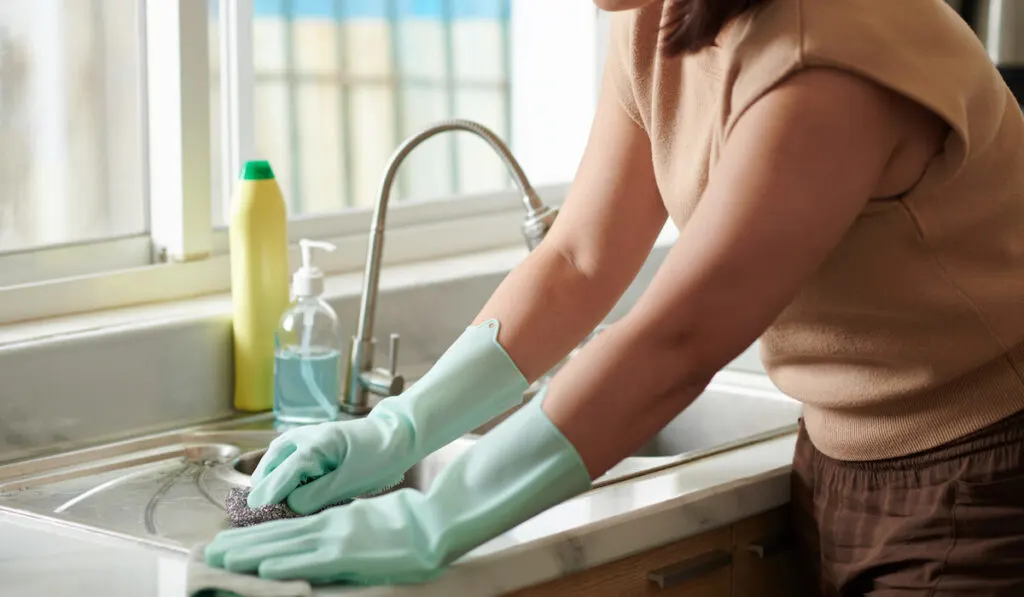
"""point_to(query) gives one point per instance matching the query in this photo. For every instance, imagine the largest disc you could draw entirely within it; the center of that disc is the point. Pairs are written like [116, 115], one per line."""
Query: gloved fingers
[338, 486]
[225, 542]
[214, 554]
[222, 544]
[314, 496]
[275, 486]
[267, 533]
[325, 491]
[277, 452]
[247, 558]
[322, 565]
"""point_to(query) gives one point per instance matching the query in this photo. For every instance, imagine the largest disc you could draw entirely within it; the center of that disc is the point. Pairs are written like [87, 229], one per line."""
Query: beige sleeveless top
[910, 335]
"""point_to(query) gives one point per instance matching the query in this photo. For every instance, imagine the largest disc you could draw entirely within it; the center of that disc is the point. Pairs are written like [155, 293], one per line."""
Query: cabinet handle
[770, 546]
[690, 568]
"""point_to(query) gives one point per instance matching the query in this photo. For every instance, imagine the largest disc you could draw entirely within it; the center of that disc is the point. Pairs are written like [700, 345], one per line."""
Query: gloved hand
[473, 382]
[521, 468]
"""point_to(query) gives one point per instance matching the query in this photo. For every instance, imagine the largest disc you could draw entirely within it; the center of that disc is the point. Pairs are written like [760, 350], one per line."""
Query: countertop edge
[702, 507]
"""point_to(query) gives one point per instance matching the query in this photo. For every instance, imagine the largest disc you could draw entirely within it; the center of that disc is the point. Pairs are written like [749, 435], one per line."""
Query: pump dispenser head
[309, 280]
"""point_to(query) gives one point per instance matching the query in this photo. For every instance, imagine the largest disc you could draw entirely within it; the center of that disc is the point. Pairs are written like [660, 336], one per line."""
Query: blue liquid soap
[307, 356]
[299, 379]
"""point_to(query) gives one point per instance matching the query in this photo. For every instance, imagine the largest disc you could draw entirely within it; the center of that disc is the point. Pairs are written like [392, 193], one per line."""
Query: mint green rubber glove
[521, 468]
[473, 382]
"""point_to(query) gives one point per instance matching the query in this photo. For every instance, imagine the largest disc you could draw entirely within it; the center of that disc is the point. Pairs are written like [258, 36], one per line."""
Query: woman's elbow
[690, 353]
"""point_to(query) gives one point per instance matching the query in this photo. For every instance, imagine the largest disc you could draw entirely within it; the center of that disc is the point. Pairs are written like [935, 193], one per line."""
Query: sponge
[241, 515]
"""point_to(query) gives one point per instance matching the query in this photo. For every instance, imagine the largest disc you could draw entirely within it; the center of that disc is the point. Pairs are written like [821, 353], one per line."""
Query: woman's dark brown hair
[694, 24]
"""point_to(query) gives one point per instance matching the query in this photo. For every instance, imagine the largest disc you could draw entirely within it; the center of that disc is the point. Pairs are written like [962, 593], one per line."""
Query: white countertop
[40, 558]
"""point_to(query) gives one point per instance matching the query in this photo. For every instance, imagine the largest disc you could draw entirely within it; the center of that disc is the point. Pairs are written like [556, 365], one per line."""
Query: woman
[847, 178]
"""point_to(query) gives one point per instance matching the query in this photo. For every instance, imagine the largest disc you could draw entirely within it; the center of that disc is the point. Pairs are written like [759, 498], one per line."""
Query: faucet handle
[393, 354]
[386, 382]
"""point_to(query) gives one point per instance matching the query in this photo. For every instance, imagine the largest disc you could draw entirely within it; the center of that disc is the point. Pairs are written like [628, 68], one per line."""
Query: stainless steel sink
[168, 489]
[721, 417]
[165, 489]
[724, 417]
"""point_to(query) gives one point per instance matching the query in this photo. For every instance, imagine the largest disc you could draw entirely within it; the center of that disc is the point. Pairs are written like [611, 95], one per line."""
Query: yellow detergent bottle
[259, 282]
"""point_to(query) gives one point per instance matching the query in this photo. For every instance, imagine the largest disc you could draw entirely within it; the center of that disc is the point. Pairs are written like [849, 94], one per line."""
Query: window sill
[417, 232]
[337, 287]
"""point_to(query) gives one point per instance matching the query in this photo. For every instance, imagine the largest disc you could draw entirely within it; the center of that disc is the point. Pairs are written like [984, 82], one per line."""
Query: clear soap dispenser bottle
[307, 364]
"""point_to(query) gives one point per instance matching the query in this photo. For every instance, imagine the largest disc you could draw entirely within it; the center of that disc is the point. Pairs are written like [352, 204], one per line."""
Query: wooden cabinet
[698, 566]
[764, 561]
[751, 558]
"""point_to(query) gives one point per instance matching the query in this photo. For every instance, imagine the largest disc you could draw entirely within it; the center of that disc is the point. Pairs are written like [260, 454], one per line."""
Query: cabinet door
[696, 567]
[764, 562]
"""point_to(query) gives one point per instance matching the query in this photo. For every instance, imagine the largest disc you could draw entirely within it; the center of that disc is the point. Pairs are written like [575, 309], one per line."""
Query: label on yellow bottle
[259, 282]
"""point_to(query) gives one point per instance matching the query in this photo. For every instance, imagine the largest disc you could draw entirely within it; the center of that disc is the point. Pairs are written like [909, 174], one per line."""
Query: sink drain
[210, 453]
[246, 463]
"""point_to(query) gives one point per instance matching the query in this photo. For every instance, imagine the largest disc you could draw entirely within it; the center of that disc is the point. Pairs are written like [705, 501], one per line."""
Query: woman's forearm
[547, 305]
[622, 388]
[603, 234]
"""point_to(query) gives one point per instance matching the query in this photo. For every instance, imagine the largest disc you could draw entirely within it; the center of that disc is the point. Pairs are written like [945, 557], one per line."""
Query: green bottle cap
[257, 170]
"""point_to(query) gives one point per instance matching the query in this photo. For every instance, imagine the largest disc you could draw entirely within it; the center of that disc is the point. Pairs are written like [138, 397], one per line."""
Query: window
[71, 124]
[338, 85]
[109, 197]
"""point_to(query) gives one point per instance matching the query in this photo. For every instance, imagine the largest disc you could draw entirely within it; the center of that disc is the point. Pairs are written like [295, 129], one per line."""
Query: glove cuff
[523, 467]
[473, 382]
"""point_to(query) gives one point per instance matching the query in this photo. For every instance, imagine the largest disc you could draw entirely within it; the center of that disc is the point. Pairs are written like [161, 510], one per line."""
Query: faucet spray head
[537, 224]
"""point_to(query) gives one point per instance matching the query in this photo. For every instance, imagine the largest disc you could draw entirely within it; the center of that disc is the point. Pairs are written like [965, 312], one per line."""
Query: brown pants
[945, 522]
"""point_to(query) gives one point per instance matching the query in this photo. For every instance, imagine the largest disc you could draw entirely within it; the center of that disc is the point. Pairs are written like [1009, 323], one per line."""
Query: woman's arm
[602, 236]
[798, 168]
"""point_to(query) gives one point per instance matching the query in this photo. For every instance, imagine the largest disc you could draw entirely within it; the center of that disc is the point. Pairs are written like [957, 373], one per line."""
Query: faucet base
[358, 411]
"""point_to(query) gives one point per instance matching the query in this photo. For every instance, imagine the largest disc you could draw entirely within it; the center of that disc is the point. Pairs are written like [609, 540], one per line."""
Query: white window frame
[182, 255]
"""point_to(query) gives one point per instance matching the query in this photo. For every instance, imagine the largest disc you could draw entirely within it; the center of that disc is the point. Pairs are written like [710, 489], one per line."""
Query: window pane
[367, 47]
[71, 122]
[427, 172]
[478, 51]
[421, 43]
[372, 124]
[217, 173]
[274, 137]
[270, 37]
[320, 159]
[315, 39]
[479, 169]
[341, 83]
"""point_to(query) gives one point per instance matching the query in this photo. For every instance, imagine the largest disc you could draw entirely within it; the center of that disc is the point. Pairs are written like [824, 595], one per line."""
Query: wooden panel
[764, 563]
[629, 577]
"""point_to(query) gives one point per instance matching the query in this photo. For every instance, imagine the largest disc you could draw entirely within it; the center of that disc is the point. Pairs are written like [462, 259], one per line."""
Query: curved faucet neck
[539, 218]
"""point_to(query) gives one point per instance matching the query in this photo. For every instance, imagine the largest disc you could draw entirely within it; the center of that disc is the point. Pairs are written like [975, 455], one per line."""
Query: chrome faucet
[362, 378]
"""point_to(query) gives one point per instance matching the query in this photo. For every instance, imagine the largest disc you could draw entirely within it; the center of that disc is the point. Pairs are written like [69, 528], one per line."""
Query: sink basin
[732, 412]
[724, 417]
[168, 489]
